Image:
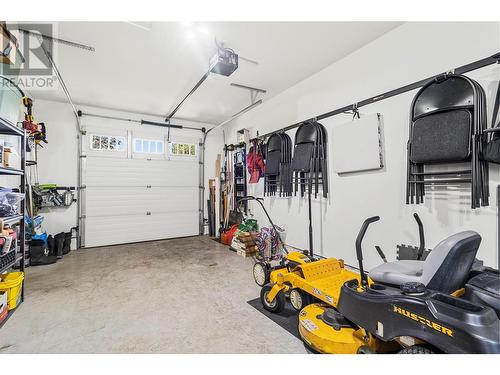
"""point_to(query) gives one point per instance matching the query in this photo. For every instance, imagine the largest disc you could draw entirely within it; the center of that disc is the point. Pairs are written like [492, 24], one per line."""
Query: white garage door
[138, 186]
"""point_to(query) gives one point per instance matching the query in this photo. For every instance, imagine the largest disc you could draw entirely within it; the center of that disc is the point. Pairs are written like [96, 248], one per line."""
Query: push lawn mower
[440, 305]
[264, 268]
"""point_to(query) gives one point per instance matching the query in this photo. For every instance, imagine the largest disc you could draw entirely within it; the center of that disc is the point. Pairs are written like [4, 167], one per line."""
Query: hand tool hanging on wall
[52, 195]
[229, 185]
[226, 188]
[37, 133]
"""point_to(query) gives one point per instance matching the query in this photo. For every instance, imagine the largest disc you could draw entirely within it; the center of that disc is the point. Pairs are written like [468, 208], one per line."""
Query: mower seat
[445, 269]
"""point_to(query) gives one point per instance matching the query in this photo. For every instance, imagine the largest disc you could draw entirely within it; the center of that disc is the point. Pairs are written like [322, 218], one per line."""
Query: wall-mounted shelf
[240, 175]
[11, 219]
[10, 171]
[8, 128]
[9, 266]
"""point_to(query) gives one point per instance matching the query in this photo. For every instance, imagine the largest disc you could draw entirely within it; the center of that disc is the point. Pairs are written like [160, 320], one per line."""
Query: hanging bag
[491, 150]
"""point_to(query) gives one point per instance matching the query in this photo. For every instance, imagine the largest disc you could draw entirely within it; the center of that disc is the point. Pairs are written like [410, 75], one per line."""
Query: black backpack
[491, 147]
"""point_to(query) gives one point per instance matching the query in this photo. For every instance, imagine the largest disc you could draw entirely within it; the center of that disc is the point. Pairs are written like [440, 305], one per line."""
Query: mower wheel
[416, 349]
[261, 273]
[365, 349]
[299, 299]
[279, 301]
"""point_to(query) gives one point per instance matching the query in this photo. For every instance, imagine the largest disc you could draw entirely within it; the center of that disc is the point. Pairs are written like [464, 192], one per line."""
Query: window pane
[104, 143]
[112, 143]
[96, 142]
[159, 147]
[138, 145]
[120, 144]
[145, 146]
[152, 147]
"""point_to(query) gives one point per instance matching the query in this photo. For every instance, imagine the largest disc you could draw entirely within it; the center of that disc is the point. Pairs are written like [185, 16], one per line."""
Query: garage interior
[250, 187]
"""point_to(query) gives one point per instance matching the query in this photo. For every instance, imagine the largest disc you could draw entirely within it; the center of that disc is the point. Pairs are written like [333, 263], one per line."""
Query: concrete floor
[174, 296]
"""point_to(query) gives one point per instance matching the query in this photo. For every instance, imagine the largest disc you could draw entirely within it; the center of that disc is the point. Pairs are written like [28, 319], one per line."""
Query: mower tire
[261, 273]
[279, 302]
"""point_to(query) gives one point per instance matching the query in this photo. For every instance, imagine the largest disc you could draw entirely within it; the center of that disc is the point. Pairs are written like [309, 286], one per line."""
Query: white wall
[409, 53]
[58, 159]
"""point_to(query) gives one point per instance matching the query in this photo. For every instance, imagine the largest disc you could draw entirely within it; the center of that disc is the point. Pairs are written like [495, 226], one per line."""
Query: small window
[138, 145]
[183, 149]
[159, 147]
[148, 146]
[107, 143]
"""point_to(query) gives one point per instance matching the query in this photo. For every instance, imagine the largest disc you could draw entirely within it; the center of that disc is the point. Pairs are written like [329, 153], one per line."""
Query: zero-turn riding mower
[440, 305]
[305, 278]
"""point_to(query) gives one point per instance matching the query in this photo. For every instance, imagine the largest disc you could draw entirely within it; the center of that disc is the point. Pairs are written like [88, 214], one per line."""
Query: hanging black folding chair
[278, 177]
[447, 119]
[309, 162]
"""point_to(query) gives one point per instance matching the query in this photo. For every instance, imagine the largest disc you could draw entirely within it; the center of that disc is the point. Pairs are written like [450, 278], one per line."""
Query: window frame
[149, 142]
[108, 137]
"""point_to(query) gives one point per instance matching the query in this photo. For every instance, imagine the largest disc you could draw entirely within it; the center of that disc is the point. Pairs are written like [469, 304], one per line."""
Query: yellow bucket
[11, 283]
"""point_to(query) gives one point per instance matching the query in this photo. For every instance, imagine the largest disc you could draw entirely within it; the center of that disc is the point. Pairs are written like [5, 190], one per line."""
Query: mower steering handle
[359, 250]
[362, 233]
[421, 247]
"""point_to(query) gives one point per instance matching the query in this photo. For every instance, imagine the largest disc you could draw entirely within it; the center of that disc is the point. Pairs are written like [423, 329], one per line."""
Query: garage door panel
[103, 201]
[134, 197]
[135, 172]
[136, 228]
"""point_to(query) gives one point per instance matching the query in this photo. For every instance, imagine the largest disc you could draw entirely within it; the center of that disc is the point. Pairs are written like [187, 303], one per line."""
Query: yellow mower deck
[322, 279]
[325, 339]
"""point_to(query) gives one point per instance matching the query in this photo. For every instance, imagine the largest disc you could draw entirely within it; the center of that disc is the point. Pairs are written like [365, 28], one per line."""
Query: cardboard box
[6, 152]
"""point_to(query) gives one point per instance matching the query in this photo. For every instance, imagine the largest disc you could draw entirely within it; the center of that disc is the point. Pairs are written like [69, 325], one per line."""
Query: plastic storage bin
[9, 202]
[12, 283]
[7, 258]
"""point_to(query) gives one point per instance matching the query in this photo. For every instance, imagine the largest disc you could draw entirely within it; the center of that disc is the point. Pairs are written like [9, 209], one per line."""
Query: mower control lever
[381, 253]
[359, 250]
[421, 247]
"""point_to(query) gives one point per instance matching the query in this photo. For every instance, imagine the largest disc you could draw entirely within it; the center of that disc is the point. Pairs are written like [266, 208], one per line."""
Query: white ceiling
[149, 67]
